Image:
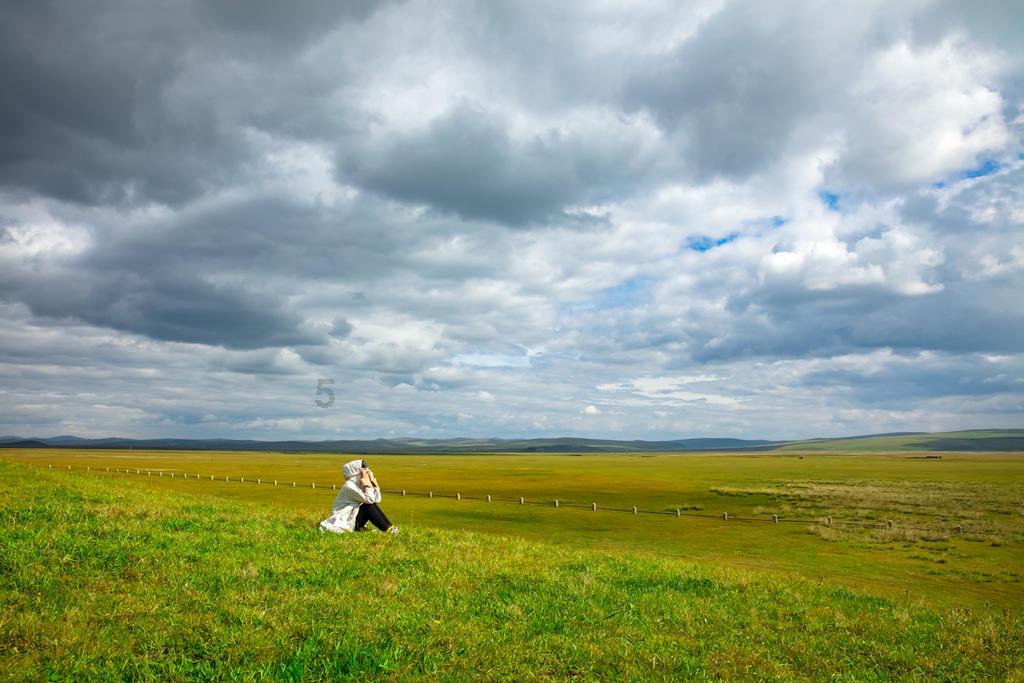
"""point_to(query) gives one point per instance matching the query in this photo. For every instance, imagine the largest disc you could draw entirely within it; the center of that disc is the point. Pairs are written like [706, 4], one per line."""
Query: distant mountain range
[973, 440]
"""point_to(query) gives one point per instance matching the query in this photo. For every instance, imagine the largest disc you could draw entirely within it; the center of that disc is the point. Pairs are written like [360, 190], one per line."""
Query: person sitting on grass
[356, 502]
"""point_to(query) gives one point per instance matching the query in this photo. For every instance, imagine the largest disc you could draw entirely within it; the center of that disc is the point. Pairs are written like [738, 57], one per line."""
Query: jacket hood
[351, 469]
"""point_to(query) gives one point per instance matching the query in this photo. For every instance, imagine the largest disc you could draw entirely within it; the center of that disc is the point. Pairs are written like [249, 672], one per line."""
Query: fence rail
[827, 521]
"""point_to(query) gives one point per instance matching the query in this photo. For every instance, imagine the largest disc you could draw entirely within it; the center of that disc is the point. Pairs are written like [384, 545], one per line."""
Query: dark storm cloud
[733, 93]
[341, 328]
[266, 234]
[967, 318]
[127, 103]
[161, 305]
[83, 118]
[223, 273]
[913, 378]
[466, 163]
[283, 25]
[195, 277]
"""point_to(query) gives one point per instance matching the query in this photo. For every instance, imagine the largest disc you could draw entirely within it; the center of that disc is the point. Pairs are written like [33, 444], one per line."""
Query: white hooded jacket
[347, 502]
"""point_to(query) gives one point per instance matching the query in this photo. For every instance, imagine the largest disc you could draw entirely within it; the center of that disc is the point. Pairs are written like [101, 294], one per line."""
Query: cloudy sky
[624, 220]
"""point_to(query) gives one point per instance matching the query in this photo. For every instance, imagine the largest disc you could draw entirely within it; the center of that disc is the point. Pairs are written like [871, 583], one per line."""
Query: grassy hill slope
[993, 440]
[103, 579]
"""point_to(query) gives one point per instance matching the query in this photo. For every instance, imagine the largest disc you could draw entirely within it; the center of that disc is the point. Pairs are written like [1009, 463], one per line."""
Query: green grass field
[132, 577]
[935, 567]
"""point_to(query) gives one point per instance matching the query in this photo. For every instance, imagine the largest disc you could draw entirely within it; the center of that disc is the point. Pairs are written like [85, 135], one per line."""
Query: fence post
[556, 502]
[69, 468]
[333, 487]
[149, 474]
[458, 496]
[50, 466]
[488, 498]
[226, 479]
[275, 482]
[829, 520]
[241, 480]
[403, 492]
[634, 509]
[889, 523]
[259, 481]
[211, 477]
[430, 494]
[521, 501]
[725, 516]
[593, 506]
[959, 528]
[293, 484]
[775, 519]
[678, 513]
[313, 485]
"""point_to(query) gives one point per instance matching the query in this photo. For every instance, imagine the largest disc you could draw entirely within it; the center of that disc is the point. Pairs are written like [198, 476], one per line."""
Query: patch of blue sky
[705, 243]
[830, 199]
[776, 221]
[575, 307]
[987, 167]
[984, 168]
[631, 292]
[491, 360]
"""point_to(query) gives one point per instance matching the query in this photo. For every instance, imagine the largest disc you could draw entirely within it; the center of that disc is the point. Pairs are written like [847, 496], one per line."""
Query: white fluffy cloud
[920, 113]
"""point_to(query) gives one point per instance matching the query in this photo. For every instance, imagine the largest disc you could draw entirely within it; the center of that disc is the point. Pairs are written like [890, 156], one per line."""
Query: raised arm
[368, 487]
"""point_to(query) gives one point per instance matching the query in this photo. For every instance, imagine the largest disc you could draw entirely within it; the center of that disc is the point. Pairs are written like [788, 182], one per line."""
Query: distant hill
[404, 445]
[972, 440]
[25, 443]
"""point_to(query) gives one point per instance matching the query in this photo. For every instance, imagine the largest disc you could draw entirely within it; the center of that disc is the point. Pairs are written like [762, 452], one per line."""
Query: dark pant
[371, 512]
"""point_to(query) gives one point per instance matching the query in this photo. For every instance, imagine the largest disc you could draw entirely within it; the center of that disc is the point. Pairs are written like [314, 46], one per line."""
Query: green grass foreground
[935, 567]
[103, 579]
